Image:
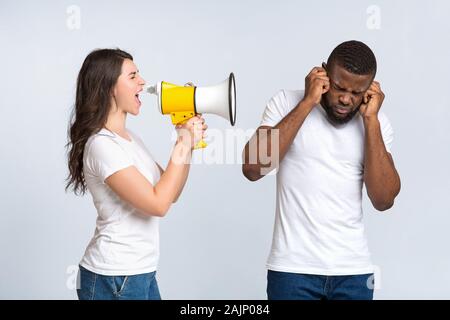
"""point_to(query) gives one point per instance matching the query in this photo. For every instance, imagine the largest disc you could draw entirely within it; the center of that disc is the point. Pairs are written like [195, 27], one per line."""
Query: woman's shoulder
[101, 137]
[103, 144]
[102, 149]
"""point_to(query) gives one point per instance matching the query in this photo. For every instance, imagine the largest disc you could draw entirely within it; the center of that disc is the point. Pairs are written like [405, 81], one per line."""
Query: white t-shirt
[319, 220]
[126, 242]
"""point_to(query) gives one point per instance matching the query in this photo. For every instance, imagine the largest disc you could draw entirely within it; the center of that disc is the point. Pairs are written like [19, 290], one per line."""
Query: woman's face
[127, 89]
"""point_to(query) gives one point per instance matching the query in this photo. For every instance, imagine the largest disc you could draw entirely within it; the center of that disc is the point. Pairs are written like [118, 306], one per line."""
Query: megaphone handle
[201, 144]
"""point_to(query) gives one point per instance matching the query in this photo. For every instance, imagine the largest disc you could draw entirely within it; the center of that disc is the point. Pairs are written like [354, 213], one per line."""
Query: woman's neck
[116, 122]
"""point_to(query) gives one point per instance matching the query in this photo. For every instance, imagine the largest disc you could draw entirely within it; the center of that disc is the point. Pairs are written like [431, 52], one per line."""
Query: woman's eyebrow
[133, 73]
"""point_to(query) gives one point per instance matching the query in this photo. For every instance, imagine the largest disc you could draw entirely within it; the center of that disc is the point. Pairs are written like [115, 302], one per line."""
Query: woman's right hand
[191, 132]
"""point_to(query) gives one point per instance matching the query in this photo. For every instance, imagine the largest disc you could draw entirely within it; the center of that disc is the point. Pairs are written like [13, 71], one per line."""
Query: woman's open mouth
[136, 96]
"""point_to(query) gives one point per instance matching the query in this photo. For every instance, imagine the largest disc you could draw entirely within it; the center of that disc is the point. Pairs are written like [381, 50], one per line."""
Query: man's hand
[373, 99]
[316, 84]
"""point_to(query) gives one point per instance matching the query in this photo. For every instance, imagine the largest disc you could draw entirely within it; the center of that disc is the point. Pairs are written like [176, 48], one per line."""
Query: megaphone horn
[218, 99]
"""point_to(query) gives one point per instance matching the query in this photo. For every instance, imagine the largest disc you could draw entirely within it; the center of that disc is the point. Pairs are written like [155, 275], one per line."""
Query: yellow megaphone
[184, 102]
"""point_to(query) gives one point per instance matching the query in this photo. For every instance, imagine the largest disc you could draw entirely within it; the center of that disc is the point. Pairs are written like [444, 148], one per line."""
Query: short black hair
[355, 57]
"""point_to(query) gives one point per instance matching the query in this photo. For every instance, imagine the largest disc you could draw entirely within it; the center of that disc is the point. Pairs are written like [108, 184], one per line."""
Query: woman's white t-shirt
[126, 241]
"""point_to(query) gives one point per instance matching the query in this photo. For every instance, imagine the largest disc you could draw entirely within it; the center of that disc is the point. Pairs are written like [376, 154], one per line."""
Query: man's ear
[366, 97]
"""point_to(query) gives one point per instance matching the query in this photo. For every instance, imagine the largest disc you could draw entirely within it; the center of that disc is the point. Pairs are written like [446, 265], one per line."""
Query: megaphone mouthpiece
[150, 89]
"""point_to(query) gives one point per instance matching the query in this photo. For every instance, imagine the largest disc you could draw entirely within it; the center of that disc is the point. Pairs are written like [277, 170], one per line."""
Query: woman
[129, 189]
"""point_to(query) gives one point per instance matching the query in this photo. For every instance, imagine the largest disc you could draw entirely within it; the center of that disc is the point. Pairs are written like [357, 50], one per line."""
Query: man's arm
[261, 145]
[380, 176]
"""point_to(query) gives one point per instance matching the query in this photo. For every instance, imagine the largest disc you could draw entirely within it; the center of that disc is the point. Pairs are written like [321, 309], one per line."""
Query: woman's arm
[187, 167]
[131, 186]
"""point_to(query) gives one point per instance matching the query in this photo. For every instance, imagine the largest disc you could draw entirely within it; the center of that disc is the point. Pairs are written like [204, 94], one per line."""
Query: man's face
[346, 93]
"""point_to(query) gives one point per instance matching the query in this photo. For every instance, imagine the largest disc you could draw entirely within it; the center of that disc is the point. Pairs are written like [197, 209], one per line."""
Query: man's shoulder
[384, 120]
[290, 94]
[288, 99]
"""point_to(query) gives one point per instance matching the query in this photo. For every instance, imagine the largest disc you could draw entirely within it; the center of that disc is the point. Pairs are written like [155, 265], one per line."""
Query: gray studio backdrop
[215, 240]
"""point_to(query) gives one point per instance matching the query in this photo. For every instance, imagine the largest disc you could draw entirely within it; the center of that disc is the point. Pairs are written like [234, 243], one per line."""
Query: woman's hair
[95, 84]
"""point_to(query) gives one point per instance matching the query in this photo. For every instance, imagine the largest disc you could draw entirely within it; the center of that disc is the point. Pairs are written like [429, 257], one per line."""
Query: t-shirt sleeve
[105, 157]
[276, 109]
[386, 132]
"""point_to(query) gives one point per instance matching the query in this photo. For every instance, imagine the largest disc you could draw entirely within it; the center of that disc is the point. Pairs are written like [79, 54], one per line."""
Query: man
[332, 138]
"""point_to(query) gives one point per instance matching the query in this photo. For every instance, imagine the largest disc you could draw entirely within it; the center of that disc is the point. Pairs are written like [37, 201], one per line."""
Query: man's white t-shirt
[126, 241]
[319, 220]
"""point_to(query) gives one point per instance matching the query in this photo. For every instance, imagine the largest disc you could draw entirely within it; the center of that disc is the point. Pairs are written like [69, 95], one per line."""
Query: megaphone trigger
[201, 144]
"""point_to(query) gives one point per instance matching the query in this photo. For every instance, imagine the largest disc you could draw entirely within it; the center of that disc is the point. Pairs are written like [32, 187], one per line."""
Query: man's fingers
[323, 78]
[322, 81]
[316, 70]
[319, 69]
[375, 86]
[371, 92]
[318, 74]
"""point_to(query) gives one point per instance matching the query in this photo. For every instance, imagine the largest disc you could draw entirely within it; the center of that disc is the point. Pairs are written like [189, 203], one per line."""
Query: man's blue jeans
[92, 286]
[297, 286]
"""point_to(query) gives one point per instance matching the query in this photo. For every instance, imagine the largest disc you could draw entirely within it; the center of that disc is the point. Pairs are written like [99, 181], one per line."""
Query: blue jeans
[297, 286]
[93, 286]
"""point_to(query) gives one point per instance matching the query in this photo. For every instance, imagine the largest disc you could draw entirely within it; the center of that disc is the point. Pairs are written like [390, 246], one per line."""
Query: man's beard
[335, 119]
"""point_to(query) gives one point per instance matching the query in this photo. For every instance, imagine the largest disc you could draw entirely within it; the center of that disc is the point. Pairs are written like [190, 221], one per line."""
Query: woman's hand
[191, 132]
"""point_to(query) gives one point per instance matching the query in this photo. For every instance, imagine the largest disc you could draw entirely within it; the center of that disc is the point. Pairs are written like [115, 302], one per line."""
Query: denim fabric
[92, 286]
[297, 286]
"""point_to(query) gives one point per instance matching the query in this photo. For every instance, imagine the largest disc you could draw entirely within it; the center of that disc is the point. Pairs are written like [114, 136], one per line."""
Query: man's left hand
[373, 98]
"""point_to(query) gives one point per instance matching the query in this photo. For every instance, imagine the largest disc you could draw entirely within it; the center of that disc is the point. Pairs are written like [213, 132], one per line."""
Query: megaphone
[184, 102]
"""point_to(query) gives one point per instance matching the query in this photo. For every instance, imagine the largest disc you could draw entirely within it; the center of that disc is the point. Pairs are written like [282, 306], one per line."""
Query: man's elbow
[251, 173]
[386, 201]
[383, 205]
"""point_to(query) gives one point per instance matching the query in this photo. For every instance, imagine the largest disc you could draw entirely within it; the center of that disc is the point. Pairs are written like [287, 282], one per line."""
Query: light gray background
[215, 240]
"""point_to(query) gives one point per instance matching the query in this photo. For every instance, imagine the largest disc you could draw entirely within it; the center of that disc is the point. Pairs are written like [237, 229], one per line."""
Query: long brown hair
[96, 80]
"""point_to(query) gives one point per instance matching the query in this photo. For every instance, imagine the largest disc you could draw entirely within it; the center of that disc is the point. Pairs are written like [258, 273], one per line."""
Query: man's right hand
[316, 84]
